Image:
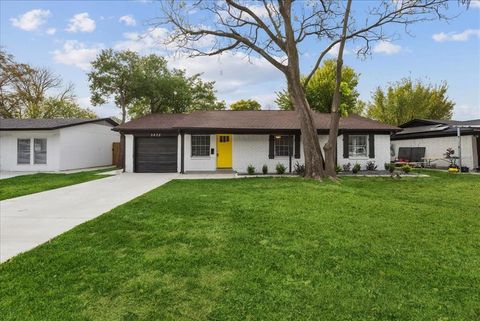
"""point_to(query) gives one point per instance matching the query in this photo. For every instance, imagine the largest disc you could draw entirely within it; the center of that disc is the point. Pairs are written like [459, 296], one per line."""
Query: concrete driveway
[28, 221]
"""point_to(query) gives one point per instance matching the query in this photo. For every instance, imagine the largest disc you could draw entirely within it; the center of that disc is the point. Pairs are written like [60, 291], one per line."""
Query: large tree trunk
[311, 147]
[314, 166]
[330, 147]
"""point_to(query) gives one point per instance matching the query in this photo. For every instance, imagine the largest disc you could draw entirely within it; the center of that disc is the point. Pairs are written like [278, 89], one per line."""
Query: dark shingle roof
[45, 124]
[422, 128]
[246, 120]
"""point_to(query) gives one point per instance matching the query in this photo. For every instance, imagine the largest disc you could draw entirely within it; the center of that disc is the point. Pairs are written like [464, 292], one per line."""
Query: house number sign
[155, 134]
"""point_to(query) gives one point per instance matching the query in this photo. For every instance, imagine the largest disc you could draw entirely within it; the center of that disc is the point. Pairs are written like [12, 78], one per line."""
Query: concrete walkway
[28, 221]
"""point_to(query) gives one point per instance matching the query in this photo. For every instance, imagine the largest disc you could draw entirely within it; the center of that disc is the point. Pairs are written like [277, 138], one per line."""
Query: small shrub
[280, 169]
[265, 169]
[371, 166]
[390, 167]
[356, 168]
[299, 169]
[338, 169]
[406, 168]
[449, 152]
[347, 167]
[250, 169]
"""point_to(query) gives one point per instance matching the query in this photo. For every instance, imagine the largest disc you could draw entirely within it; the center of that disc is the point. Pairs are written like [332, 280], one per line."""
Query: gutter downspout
[459, 136]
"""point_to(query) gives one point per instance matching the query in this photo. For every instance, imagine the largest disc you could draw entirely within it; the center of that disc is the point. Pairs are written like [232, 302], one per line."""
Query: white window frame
[353, 154]
[29, 151]
[277, 138]
[208, 139]
[32, 151]
[35, 152]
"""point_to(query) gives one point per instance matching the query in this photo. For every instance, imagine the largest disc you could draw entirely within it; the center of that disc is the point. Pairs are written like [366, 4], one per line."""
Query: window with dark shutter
[282, 146]
[345, 145]
[297, 146]
[23, 151]
[271, 152]
[371, 146]
[40, 151]
[357, 145]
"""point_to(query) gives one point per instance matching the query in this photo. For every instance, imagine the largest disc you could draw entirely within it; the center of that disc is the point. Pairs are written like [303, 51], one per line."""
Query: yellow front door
[224, 151]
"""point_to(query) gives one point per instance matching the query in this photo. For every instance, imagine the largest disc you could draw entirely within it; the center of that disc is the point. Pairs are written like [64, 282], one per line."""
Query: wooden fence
[116, 155]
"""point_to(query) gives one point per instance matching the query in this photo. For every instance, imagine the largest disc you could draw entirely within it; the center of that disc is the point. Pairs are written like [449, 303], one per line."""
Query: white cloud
[232, 72]
[81, 22]
[31, 20]
[466, 112]
[386, 47]
[236, 76]
[475, 4]
[260, 10]
[461, 36]
[75, 53]
[51, 31]
[128, 20]
[334, 50]
[151, 40]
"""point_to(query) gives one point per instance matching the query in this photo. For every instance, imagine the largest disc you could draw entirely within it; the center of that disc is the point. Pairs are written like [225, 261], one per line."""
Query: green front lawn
[34, 183]
[263, 249]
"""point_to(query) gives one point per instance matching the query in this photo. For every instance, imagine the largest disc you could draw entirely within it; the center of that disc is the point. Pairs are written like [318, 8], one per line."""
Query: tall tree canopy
[320, 89]
[30, 92]
[142, 85]
[248, 104]
[276, 30]
[112, 77]
[406, 99]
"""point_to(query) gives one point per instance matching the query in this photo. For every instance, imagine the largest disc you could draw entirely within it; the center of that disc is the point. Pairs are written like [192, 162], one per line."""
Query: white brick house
[46, 145]
[212, 140]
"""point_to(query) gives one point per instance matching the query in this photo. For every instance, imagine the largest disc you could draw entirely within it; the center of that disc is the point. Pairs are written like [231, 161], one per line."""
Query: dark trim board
[213, 131]
[433, 135]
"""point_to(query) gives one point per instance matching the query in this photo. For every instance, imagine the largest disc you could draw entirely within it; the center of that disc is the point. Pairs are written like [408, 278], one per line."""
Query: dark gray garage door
[156, 154]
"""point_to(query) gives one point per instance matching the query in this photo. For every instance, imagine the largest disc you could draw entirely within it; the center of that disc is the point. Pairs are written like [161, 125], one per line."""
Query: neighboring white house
[426, 139]
[55, 144]
[212, 140]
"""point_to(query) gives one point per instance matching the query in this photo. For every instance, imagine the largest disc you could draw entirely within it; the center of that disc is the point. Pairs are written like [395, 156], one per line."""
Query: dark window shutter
[271, 142]
[371, 146]
[345, 145]
[290, 145]
[297, 146]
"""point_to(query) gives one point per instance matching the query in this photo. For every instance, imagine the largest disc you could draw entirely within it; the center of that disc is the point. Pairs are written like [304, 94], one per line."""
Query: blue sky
[65, 36]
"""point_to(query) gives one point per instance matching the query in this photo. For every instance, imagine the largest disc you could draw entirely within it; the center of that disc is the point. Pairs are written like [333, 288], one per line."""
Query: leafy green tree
[248, 104]
[160, 90]
[320, 89]
[112, 77]
[203, 95]
[406, 99]
[360, 108]
[59, 108]
[144, 85]
[155, 88]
